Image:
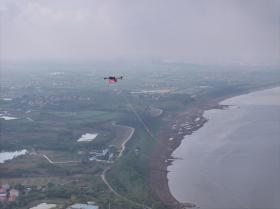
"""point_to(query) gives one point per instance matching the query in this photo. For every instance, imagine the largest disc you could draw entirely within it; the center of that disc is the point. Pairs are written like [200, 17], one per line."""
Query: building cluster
[41, 101]
[7, 193]
[103, 154]
[83, 206]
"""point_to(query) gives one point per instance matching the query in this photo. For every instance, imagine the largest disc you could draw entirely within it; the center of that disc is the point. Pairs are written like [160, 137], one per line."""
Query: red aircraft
[113, 79]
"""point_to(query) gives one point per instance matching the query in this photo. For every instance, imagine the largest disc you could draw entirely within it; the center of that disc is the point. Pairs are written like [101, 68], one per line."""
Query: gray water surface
[233, 161]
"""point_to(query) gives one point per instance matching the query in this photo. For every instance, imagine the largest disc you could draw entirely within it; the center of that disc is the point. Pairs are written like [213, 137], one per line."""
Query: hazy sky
[215, 31]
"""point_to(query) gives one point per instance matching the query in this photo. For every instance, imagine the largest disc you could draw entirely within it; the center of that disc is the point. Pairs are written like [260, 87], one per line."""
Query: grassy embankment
[130, 175]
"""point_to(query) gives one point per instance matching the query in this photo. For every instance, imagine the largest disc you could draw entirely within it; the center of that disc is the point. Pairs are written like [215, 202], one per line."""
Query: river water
[5, 156]
[233, 161]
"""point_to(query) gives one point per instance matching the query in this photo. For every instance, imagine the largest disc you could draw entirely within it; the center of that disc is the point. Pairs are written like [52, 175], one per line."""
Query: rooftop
[83, 206]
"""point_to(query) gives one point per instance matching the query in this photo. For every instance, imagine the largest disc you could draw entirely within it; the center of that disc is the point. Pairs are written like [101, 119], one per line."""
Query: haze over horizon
[211, 31]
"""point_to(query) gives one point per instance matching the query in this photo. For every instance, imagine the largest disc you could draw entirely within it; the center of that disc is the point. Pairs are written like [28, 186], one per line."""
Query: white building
[82, 206]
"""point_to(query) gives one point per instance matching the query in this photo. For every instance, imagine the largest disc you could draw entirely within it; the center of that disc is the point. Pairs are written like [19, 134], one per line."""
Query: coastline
[170, 138]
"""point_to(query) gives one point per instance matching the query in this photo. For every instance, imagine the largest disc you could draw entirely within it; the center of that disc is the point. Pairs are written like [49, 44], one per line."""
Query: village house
[13, 194]
[3, 194]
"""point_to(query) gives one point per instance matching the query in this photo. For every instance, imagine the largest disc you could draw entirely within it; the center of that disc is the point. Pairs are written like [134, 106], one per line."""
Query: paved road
[103, 177]
[57, 162]
[53, 162]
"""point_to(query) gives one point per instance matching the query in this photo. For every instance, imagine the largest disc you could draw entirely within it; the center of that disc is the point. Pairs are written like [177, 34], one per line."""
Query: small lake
[7, 99]
[4, 156]
[7, 117]
[233, 161]
[87, 137]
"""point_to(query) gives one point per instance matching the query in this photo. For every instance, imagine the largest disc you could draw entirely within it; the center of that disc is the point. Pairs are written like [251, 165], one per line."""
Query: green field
[53, 117]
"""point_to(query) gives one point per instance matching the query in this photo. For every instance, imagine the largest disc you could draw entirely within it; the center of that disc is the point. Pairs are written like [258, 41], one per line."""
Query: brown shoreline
[169, 138]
